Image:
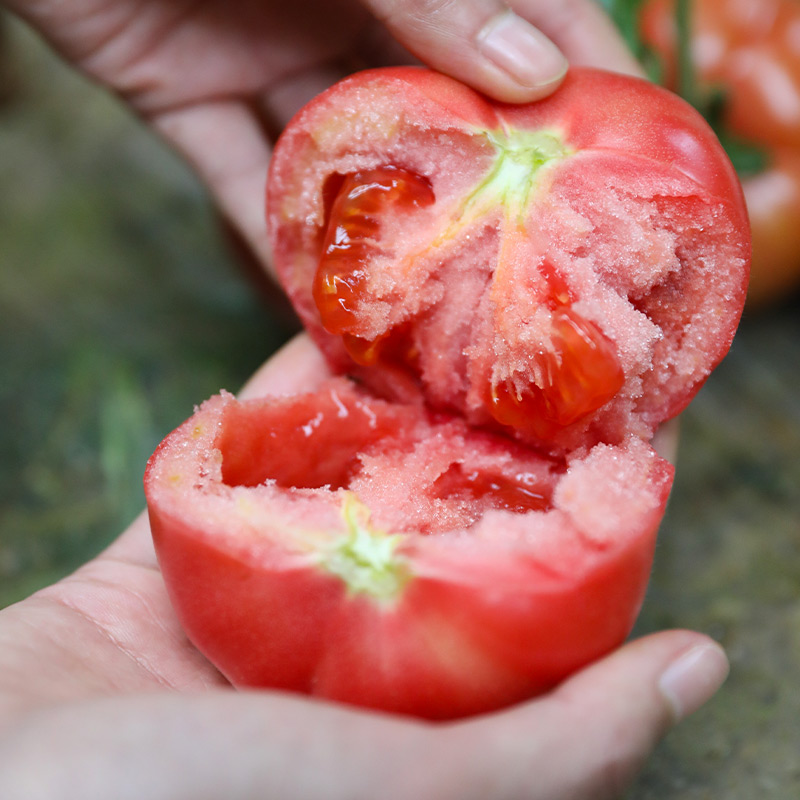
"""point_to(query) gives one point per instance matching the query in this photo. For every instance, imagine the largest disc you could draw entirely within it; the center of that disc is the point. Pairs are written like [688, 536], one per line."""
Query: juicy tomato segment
[580, 375]
[498, 491]
[353, 239]
[335, 591]
[394, 347]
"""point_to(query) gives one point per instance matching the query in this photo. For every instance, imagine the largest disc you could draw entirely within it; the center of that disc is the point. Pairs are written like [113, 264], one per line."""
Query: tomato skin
[605, 111]
[486, 619]
[752, 52]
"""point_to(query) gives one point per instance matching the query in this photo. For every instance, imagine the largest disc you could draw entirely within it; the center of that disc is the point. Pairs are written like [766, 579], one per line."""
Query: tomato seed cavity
[498, 491]
[579, 375]
[352, 241]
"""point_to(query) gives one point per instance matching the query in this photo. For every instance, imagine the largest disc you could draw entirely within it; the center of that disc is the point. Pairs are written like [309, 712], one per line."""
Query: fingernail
[693, 678]
[521, 50]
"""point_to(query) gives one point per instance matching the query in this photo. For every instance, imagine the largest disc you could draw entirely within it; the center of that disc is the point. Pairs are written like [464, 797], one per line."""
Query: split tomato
[743, 60]
[519, 296]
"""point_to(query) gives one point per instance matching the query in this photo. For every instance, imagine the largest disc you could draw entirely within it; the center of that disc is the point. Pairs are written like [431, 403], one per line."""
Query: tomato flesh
[578, 374]
[581, 374]
[364, 199]
[317, 443]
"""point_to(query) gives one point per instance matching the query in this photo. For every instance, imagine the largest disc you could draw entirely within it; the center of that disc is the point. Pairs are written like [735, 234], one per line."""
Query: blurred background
[123, 304]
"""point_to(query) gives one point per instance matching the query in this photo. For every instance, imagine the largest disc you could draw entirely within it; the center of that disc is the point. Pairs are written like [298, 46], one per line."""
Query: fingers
[480, 42]
[582, 30]
[589, 737]
[583, 741]
[296, 368]
[516, 52]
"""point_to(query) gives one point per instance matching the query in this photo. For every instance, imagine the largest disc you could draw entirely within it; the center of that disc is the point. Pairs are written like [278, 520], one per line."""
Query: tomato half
[346, 547]
[519, 296]
[566, 272]
[749, 54]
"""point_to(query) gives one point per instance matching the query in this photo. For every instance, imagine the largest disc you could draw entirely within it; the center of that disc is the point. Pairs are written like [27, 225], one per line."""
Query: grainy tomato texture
[514, 299]
[749, 54]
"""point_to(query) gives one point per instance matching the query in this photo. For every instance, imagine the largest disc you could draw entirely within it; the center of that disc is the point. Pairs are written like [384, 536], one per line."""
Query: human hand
[219, 79]
[101, 696]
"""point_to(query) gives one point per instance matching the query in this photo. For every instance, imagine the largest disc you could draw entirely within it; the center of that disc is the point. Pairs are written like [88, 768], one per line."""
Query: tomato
[750, 51]
[515, 297]
[566, 271]
[346, 547]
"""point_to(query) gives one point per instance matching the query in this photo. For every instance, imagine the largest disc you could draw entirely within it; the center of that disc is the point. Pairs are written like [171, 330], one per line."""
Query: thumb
[590, 736]
[516, 51]
[480, 42]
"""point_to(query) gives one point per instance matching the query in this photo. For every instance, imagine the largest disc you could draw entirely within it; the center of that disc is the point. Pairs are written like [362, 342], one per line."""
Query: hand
[100, 693]
[219, 78]
[102, 696]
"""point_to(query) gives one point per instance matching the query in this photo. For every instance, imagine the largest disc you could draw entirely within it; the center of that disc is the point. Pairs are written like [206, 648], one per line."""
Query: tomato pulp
[515, 298]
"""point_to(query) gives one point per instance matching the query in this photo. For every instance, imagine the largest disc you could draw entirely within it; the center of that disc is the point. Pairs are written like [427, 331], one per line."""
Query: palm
[107, 629]
[162, 54]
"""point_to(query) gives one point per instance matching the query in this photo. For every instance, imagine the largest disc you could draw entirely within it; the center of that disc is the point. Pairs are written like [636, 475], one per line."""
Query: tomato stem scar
[521, 155]
[365, 558]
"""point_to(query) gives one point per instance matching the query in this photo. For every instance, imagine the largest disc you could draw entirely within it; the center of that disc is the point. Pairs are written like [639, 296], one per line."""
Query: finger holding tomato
[738, 61]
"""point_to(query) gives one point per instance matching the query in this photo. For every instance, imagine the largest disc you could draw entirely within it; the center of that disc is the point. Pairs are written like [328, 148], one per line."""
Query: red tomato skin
[275, 629]
[606, 111]
[751, 51]
[475, 629]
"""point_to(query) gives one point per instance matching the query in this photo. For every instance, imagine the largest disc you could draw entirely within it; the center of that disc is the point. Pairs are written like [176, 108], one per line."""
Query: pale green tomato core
[365, 558]
[521, 157]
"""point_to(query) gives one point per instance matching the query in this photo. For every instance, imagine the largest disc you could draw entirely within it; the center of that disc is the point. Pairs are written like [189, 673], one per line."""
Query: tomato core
[366, 558]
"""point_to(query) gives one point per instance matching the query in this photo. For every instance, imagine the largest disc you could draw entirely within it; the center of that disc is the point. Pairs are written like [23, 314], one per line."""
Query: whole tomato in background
[514, 299]
[738, 62]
